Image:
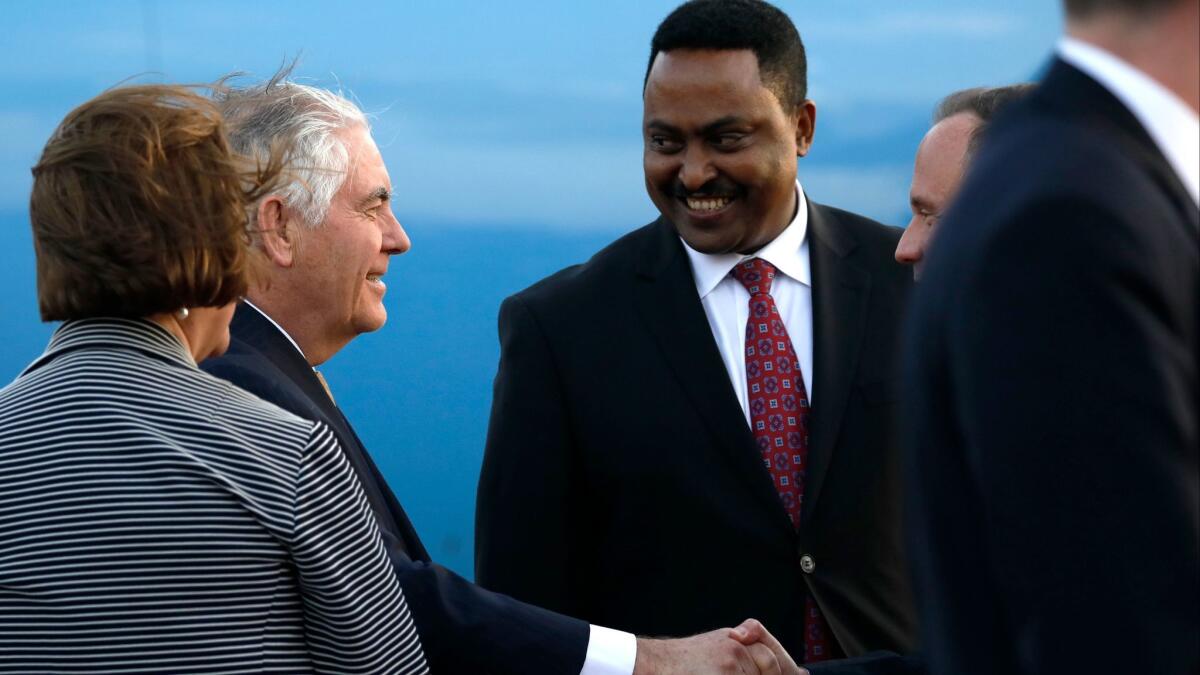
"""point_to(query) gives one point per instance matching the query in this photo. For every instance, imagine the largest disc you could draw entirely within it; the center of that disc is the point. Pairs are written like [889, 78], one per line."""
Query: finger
[748, 632]
[764, 659]
[738, 658]
[764, 637]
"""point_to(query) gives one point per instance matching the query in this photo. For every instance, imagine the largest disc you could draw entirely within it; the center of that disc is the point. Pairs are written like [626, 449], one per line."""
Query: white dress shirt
[1173, 125]
[727, 303]
[609, 652]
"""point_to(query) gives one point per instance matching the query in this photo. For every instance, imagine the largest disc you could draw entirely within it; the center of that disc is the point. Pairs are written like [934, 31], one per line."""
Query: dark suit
[1053, 354]
[463, 628]
[621, 482]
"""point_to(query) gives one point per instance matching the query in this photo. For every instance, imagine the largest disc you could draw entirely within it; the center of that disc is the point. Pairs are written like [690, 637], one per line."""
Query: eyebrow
[709, 128]
[379, 194]
[920, 203]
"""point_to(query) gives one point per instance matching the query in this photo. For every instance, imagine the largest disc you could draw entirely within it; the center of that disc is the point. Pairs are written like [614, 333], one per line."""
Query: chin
[706, 242]
[370, 322]
[217, 350]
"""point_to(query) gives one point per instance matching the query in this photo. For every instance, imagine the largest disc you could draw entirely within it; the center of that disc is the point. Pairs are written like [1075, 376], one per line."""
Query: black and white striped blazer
[155, 519]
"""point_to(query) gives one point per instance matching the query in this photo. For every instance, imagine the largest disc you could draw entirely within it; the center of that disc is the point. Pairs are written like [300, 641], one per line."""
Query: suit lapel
[251, 327]
[665, 296]
[254, 330]
[839, 292]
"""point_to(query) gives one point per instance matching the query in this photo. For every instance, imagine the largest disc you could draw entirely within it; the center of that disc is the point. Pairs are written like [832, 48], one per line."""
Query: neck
[168, 321]
[773, 234]
[1164, 45]
[301, 324]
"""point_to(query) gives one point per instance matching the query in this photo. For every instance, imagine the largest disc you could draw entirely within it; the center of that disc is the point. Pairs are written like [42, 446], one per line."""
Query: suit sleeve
[1074, 372]
[463, 628]
[524, 507]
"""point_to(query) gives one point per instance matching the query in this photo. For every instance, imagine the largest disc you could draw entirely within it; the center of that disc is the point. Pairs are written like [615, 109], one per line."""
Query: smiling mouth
[375, 278]
[707, 204]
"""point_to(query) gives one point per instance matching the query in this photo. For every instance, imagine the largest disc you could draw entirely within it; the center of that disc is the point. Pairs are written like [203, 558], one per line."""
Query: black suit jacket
[463, 628]
[621, 482]
[1053, 356]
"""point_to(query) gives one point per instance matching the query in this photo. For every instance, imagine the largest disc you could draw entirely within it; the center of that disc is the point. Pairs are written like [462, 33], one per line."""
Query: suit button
[807, 564]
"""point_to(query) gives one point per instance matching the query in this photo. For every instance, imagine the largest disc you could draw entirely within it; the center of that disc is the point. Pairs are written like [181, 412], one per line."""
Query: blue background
[512, 134]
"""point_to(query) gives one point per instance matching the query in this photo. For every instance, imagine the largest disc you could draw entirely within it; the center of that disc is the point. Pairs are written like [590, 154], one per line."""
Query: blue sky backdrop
[512, 133]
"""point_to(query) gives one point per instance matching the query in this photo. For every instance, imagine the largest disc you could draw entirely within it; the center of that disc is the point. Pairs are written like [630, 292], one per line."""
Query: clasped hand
[746, 650]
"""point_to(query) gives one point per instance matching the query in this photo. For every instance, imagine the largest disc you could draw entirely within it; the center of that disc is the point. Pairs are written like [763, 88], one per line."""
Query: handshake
[746, 650]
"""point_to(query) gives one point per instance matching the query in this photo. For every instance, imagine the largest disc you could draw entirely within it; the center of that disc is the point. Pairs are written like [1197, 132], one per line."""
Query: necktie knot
[755, 274]
[324, 385]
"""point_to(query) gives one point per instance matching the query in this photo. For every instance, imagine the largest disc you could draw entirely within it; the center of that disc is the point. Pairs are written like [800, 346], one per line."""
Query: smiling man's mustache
[717, 187]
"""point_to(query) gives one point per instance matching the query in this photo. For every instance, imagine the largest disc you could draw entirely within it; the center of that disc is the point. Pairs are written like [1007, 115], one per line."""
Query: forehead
[365, 170]
[939, 164]
[688, 81]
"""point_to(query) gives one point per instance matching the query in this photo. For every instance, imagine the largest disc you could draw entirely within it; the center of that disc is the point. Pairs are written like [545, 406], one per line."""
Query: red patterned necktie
[779, 415]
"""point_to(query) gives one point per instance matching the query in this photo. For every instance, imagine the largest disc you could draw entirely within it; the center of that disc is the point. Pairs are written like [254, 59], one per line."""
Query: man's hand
[746, 650]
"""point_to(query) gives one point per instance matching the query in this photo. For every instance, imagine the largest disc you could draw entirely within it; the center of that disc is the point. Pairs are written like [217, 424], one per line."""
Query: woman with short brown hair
[154, 518]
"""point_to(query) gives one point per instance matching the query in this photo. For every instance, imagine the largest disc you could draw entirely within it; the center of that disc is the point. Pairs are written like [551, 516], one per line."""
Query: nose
[697, 169]
[911, 246]
[395, 239]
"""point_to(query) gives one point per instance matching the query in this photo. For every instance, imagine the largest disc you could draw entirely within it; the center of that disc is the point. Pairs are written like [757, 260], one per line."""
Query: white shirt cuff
[609, 652]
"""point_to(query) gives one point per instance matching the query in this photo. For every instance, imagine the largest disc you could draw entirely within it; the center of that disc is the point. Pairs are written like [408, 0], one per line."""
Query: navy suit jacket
[1052, 353]
[463, 628]
[619, 458]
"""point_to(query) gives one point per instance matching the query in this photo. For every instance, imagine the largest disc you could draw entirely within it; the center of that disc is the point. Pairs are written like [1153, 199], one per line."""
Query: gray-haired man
[328, 240]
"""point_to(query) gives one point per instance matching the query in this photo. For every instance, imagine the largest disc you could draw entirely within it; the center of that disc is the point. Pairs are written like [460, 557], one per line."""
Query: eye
[662, 143]
[729, 141]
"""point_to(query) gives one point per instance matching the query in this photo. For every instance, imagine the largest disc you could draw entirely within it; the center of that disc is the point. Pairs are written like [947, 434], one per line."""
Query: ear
[277, 231]
[806, 126]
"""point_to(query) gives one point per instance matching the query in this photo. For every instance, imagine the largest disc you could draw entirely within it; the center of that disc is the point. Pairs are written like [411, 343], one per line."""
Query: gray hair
[983, 103]
[307, 119]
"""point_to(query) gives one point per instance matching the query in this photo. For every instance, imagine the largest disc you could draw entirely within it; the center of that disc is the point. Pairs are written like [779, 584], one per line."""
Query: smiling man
[696, 424]
[327, 283]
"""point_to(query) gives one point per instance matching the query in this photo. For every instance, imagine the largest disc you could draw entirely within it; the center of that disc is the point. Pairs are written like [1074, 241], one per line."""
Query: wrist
[649, 658]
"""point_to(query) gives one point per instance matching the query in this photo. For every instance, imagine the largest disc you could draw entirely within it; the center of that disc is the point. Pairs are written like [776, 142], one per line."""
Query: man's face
[343, 259]
[720, 152]
[937, 174]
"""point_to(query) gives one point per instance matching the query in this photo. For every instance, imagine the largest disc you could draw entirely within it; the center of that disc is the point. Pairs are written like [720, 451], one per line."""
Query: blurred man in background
[1053, 362]
[942, 159]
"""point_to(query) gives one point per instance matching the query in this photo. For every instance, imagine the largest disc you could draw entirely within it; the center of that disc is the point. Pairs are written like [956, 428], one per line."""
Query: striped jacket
[155, 519]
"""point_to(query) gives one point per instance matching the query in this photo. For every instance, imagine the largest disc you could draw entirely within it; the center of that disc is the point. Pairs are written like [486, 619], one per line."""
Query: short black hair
[983, 103]
[740, 24]
[1082, 9]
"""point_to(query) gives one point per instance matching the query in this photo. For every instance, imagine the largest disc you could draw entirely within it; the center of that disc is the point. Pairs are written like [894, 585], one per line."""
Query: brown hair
[983, 103]
[139, 206]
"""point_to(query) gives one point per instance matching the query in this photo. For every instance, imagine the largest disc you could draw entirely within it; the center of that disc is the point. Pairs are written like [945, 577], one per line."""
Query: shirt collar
[277, 326]
[1174, 127]
[786, 252]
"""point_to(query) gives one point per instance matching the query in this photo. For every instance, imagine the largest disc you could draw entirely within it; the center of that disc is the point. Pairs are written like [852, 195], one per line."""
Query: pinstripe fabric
[154, 519]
